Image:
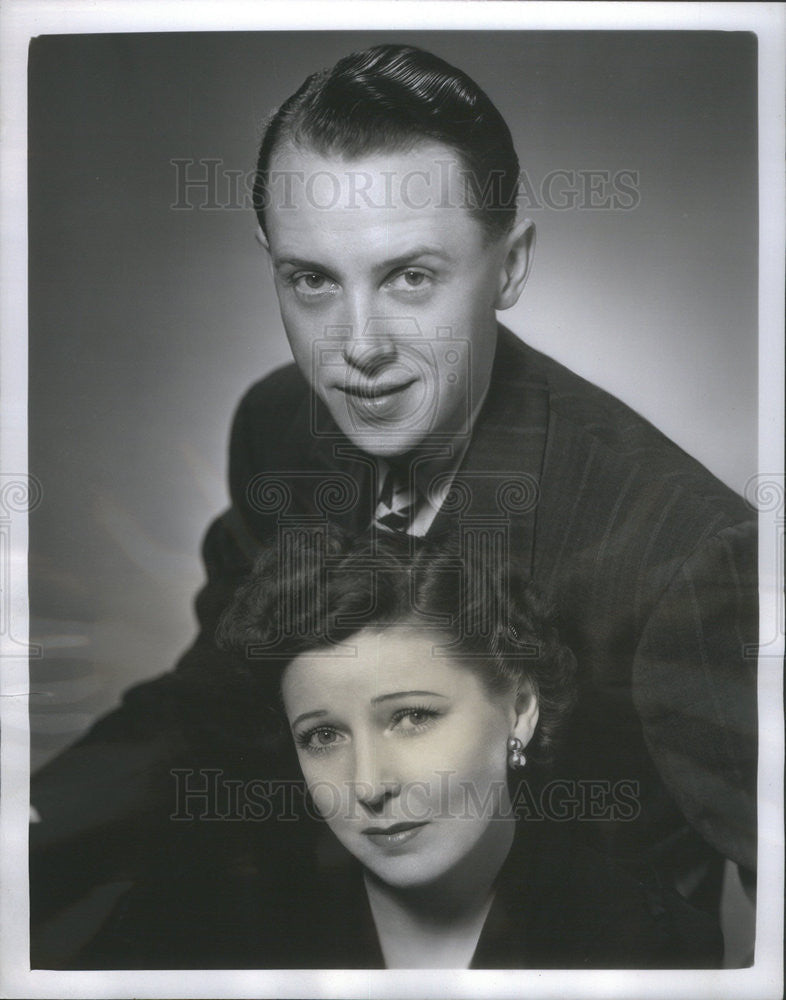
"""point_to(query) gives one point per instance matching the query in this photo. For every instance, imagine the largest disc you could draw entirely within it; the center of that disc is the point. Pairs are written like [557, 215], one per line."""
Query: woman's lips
[392, 836]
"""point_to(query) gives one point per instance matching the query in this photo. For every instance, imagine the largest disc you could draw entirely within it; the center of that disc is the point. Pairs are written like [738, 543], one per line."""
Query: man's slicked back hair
[395, 97]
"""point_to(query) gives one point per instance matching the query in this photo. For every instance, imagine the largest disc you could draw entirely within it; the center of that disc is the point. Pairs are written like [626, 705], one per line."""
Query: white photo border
[19, 21]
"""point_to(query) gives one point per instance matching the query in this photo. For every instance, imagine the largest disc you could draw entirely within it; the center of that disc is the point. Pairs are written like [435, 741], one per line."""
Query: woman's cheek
[484, 768]
[325, 786]
[327, 799]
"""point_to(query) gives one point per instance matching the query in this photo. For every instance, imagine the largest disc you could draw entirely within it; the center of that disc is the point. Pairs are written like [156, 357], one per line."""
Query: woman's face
[404, 752]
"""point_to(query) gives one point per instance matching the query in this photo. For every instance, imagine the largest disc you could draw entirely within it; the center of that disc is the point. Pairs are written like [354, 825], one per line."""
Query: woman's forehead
[375, 664]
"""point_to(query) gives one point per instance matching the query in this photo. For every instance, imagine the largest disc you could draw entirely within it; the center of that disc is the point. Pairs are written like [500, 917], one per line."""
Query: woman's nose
[375, 779]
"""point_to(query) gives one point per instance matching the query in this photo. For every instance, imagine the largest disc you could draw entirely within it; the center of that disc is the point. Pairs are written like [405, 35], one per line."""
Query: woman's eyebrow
[405, 694]
[319, 712]
[310, 715]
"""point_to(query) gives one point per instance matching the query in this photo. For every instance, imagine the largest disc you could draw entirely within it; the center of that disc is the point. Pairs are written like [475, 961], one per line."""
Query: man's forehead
[393, 162]
[429, 176]
[402, 195]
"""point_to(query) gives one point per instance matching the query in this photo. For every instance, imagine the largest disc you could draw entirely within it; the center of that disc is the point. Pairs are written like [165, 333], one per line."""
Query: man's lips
[374, 390]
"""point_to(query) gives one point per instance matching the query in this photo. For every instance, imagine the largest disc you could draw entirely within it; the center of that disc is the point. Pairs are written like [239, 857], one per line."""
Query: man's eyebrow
[414, 254]
[300, 262]
[408, 257]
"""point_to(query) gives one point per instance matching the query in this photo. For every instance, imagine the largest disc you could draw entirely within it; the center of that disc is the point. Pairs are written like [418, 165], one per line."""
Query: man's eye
[410, 280]
[312, 283]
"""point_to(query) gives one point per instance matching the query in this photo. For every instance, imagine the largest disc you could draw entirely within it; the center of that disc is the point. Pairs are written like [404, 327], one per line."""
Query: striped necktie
[397, 503]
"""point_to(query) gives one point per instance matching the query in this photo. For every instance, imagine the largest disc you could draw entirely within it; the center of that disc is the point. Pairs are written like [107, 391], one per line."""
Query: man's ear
[262, 240]
[519, 250]
[526, 713]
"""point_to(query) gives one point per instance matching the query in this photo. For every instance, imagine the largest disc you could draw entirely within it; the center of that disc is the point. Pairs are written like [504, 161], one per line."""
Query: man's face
[388, 289]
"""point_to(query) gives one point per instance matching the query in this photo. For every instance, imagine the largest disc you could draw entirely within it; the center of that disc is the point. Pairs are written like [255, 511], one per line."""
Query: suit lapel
[500, 475]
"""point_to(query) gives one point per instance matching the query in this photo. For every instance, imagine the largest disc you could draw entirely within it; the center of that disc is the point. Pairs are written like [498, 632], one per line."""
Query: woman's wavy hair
[392, 97]
[325, 588]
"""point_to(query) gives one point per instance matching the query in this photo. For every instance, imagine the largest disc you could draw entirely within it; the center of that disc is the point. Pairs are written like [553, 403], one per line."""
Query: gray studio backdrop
[149, 320]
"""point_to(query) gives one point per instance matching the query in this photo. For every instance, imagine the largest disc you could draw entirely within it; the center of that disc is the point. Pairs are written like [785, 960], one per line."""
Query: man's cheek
[300, 343]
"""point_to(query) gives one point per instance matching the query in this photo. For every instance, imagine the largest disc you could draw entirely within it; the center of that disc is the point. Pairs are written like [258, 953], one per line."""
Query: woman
[420, 695]
[406, 722]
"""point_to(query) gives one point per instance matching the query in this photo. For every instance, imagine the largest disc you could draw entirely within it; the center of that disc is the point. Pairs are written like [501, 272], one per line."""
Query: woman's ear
[516, 264]
[527, 713]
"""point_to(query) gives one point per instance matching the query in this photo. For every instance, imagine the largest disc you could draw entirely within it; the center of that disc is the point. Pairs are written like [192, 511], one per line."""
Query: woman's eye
[411, 720]
[312, 283]
[410, 280]
[322, 738]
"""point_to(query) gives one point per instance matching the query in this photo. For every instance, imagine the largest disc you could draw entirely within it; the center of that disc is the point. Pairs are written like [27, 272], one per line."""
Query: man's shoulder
[278, 392]
[270, 426]
[588, 408]
[587, 423]
[595, 912]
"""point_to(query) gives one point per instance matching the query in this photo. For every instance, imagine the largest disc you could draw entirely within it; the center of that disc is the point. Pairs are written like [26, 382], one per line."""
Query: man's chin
[386, 443]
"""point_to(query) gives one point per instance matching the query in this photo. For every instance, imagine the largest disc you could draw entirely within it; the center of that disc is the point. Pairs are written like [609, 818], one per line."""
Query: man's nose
[376, 779]
[370, 342]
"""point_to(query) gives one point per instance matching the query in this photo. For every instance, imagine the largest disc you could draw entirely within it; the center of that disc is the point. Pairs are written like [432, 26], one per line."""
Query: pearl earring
[516, 758]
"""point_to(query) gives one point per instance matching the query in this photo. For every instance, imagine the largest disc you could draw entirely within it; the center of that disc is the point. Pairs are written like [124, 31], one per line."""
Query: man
[386, 201]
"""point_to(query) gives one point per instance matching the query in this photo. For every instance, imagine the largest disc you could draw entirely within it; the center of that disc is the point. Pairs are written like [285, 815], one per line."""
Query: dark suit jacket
[650, 559]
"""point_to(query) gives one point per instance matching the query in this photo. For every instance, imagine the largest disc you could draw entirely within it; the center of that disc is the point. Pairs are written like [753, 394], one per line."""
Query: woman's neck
[438, 925]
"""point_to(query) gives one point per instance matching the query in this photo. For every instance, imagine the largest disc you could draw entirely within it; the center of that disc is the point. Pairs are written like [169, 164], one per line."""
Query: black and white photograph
[392, 500]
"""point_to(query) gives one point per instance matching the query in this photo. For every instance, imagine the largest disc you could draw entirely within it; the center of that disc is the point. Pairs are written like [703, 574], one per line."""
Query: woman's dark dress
[558, 904]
